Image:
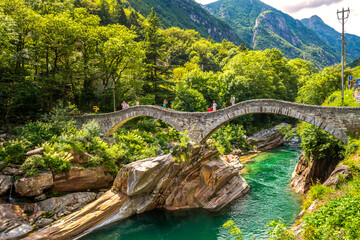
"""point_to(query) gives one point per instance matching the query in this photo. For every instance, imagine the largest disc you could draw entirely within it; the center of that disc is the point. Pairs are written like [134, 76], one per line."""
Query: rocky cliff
[309, 171]
[187, 14]
[202, 181]
[263, 27]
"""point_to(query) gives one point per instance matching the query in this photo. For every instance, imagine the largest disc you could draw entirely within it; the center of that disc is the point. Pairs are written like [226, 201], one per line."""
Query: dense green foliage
[317, 87]
[230, 137]
[318, 144]
[233, 230]
[340, 218]
[355, 63]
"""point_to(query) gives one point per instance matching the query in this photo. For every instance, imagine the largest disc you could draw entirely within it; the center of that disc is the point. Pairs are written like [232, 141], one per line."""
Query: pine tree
[104, 13]
[154, 41]
[119, 15]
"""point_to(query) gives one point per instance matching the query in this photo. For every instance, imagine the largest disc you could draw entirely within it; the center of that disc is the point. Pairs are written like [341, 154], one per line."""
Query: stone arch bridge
[338, 121]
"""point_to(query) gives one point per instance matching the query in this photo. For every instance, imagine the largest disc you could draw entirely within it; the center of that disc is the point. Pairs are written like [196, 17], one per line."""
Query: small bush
[319, 191]
[278, 230]
[136, 145]
[352, 147]
[33, 165]
[229, 137]
[233, 230]
[58, 161]
[337, 219]
[53, 124]
[14, 151]
[91, 130]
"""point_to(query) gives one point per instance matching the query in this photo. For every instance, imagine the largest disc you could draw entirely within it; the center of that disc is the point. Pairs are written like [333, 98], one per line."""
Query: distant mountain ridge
[187, 14]
[263, 26]
[333, 37]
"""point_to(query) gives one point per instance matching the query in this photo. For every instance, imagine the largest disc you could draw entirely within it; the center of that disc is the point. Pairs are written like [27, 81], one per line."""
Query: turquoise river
[269, 198]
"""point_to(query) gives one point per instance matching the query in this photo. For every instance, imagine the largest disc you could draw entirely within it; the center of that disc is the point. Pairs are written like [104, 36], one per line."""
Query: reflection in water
[269, 198]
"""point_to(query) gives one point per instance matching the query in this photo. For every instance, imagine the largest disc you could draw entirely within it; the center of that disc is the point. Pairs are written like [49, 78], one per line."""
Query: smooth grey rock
[268, 138]
[13, 223]
[40, 197]
[17, 232]
[60, 206]
[13, 171]
[42, 222]
[5, 184]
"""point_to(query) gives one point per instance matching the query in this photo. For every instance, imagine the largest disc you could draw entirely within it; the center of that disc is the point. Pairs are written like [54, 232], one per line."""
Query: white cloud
[205, 1]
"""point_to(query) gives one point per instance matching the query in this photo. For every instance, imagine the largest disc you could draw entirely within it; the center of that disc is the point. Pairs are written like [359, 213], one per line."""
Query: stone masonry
[338, 121]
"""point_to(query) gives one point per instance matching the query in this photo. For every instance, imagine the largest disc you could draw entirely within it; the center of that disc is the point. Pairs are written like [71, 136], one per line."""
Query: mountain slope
[187, 14]
[333, 37]
[265, 27]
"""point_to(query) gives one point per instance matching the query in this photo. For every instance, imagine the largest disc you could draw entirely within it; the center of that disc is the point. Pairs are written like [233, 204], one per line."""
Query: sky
[325, 9]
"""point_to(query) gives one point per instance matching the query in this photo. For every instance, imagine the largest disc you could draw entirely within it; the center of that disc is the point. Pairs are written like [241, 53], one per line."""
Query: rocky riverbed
[203, 180]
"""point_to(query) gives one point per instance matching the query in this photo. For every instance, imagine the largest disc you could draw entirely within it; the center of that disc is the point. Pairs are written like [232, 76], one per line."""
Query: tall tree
[119, 15]
[117, 53]
[104, 13]
[155, 67]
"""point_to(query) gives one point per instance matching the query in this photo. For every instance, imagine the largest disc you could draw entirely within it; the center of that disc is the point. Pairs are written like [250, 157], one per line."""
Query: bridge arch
[110, 122]
[314, 120]
[337, 121]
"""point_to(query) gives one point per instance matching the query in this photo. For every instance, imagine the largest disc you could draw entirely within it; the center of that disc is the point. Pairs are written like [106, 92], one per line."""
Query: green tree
[188, 99]
[119, 15]
[118, 52]
[317, 87]
[155, 69]
[104, 13]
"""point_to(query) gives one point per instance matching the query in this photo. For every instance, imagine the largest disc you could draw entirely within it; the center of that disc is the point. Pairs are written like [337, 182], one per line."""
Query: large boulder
[5, 184]
[141, 177]
[13, 222]
[334, 178]
[202, 181]
[82, 179]
[268, 138]
[34, 185]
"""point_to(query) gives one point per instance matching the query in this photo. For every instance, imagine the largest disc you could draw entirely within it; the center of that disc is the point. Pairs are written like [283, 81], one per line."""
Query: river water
[269, 198]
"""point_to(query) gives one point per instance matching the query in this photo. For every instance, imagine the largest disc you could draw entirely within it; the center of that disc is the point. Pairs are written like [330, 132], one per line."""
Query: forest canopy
[87, 53]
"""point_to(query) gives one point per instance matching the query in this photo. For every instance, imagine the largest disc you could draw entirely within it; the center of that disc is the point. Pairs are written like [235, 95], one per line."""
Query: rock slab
[13, 222]
[5, 184]
[34, 185]
[82, 179]
[268, 138]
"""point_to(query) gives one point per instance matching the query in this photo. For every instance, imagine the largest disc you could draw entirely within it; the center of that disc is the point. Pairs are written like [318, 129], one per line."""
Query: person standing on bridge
[123, 105]
[165, 102]
[214, 106]
[232, 100]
